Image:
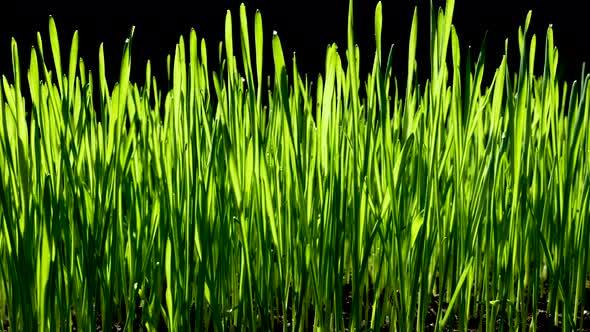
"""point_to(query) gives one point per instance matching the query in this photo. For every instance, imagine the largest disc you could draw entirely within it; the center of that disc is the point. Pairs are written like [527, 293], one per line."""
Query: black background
[304, 26]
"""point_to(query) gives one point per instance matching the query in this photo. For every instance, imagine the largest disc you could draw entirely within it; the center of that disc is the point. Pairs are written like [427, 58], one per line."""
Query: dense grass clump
[357, 202]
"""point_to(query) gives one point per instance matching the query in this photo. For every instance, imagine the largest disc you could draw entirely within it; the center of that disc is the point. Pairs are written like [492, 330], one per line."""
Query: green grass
[350, 202]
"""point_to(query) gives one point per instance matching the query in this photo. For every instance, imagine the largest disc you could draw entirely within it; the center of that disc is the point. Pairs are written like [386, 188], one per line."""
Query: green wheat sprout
[234, 201]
